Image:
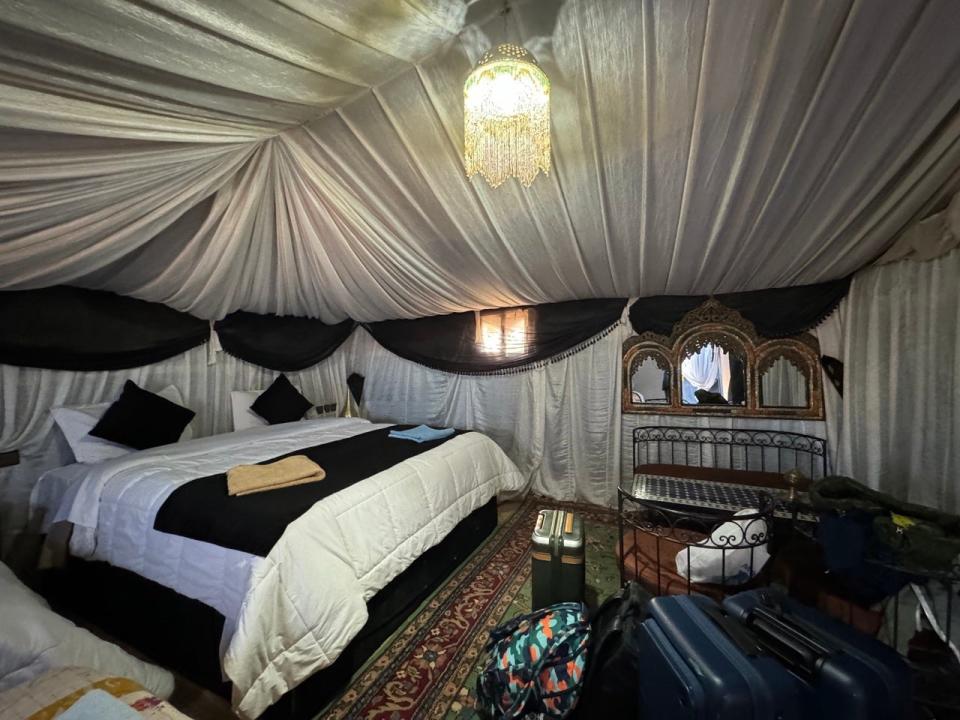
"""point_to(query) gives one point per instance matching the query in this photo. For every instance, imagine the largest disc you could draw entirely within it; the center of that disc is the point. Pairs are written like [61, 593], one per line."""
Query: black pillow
[281, 402]
[141, 419]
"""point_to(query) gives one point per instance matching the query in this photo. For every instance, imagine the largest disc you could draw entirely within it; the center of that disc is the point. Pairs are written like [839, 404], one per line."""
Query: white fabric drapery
[809, 132]
[901, 403]
[932, 237]
[204, 72]
[559, 422]
[702, 369]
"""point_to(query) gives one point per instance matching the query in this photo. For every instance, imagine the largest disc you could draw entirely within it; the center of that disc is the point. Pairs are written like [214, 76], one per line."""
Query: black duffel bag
[610, 681]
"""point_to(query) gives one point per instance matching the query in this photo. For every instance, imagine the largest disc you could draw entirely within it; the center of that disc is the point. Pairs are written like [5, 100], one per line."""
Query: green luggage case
[558, 555]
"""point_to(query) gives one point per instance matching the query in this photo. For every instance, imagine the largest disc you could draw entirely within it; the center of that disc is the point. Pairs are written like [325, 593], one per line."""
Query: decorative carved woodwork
[714, 323]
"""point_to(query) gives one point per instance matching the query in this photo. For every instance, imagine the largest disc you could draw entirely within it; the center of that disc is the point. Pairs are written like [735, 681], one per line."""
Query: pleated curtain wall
[901, 403]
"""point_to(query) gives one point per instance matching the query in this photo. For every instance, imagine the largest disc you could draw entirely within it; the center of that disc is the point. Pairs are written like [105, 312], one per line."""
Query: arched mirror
[784, 382]
[713, 373]
[715, 363]
[650, 380]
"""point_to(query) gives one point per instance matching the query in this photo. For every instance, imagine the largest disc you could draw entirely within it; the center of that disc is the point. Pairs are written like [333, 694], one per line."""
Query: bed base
[184, 634]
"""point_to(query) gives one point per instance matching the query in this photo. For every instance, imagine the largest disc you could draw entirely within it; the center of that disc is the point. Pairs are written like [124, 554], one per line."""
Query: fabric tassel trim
[535, 365]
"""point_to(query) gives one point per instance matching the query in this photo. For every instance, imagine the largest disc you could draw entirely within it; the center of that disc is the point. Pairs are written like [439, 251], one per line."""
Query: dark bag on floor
[536, 664]
[609, 684]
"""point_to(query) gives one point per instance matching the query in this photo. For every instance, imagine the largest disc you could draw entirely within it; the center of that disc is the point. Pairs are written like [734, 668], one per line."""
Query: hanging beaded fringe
[506, 115]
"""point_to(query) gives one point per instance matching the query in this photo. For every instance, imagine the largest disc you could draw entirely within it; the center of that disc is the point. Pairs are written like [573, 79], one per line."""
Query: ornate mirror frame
[713, 322]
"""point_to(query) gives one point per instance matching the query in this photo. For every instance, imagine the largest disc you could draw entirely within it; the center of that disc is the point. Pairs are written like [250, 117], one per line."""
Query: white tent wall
[896, 427]
[901, 404]
[559, 422]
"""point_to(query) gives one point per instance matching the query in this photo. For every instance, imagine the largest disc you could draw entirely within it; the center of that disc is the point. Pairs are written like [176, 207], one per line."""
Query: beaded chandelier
[506, 111]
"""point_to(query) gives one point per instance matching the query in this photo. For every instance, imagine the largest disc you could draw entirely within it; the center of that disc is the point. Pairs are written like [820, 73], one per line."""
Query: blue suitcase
[846, 673]
[697, 663]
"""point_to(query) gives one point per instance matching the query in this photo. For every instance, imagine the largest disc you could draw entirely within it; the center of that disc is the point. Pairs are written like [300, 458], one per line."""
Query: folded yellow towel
[294, 470]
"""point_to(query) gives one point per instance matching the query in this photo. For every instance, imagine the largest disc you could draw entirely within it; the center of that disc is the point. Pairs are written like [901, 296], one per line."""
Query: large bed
[294, 611]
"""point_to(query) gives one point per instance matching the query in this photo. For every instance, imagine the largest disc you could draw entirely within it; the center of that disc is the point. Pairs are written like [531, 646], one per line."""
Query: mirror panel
[713, 362]
[784, 385]
[713, 373]
[649, 383]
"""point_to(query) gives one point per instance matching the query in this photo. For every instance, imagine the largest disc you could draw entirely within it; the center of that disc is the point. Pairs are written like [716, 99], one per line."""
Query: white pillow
[243, 416]
[726, 556]
[77, 421]
[34, 639]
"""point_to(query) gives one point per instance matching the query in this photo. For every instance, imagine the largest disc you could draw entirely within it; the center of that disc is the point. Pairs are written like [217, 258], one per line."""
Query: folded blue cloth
[99, 705]
[422, 433]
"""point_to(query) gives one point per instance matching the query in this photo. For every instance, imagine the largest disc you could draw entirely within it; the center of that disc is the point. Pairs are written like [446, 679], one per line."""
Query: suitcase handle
[556, 548]
[796, 648]
[743, 639]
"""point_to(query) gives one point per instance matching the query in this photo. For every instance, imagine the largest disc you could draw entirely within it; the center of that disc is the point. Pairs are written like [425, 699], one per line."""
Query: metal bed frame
[734, 449]
[763, 450]
[691, 529]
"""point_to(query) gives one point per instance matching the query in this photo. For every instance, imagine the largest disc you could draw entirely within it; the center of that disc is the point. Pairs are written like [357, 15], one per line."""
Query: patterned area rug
[428, 670]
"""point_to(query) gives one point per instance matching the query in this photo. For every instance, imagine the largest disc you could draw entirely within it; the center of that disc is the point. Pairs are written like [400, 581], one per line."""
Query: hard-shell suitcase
[846, 673]
[698, 663]
[558, 556]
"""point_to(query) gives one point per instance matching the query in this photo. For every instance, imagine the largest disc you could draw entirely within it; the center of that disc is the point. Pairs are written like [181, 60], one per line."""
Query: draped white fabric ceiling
[304, 157]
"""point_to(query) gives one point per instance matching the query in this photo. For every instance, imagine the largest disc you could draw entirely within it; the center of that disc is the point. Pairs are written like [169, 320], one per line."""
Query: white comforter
[293, 612]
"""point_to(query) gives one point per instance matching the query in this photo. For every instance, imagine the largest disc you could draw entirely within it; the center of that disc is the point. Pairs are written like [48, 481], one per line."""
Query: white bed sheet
[291, 613]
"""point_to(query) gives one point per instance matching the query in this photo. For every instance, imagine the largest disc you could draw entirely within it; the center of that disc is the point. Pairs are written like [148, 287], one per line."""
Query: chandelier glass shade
[506, 111]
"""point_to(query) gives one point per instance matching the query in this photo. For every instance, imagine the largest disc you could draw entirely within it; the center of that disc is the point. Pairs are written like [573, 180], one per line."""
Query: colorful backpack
[536, 664]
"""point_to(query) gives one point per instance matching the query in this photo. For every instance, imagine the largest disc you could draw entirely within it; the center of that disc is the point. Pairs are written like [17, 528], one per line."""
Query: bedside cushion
[76, 422]
[281, 402]
[142, 419]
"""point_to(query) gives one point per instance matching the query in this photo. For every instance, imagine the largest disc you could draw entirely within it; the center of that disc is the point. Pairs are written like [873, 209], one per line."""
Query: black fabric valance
[498, 341]
[284, 343]
[66, 328]
[778, 312]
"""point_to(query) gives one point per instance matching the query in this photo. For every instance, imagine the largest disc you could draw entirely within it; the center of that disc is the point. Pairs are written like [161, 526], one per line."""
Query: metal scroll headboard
[763, 450]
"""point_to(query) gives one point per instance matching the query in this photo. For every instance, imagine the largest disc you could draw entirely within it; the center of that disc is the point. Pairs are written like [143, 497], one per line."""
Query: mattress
[292, 612]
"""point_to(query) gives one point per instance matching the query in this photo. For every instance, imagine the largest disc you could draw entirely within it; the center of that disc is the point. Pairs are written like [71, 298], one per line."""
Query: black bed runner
[202, 510]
